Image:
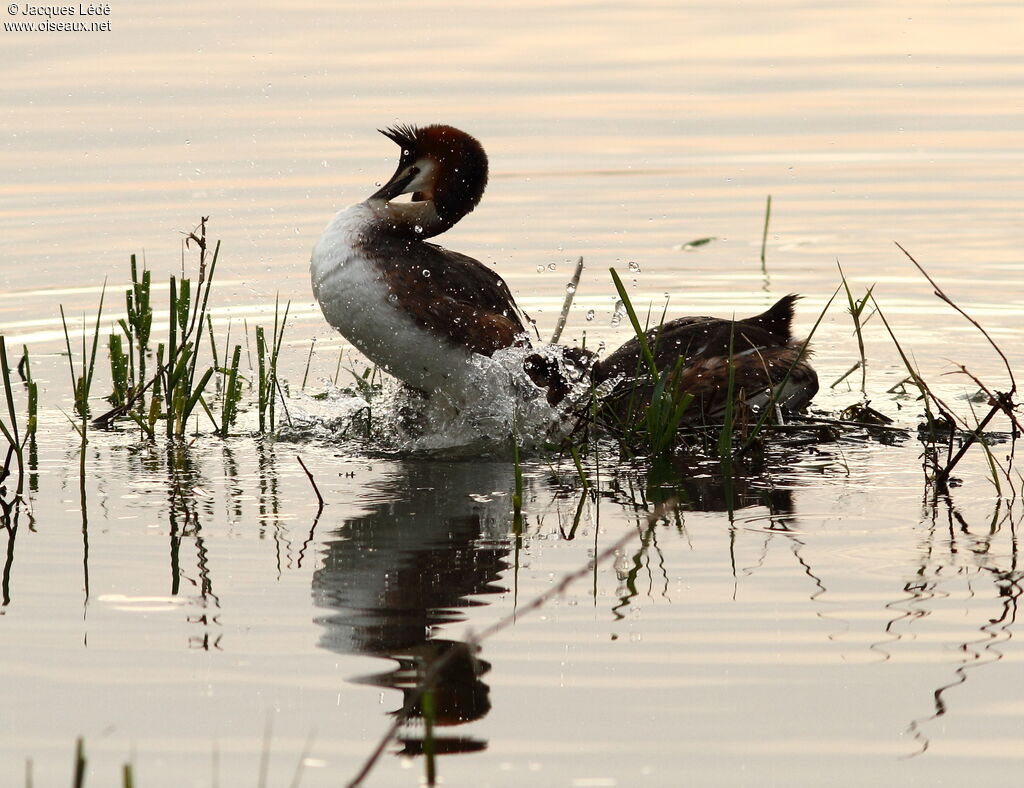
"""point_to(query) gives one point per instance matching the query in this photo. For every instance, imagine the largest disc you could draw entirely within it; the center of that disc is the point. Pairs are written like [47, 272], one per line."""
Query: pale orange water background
[742, 655]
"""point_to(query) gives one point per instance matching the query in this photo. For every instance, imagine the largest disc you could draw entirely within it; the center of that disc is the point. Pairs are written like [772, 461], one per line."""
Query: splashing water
[501, 404]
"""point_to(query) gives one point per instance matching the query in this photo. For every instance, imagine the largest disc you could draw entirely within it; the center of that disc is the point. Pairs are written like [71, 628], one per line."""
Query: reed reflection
[435, 541]
[186, 506]
[940, 570]
[703, 487]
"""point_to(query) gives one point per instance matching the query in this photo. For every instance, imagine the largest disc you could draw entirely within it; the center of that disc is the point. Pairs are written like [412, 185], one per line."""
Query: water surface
[823, 615]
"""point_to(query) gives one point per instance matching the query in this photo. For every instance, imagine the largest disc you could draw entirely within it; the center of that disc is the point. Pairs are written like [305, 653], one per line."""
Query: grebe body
[417, 310]
[768, 364]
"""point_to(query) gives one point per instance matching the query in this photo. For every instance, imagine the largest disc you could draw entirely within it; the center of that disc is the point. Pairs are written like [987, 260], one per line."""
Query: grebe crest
[445, 171]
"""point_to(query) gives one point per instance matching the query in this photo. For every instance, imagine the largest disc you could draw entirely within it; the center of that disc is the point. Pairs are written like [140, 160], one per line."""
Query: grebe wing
[455, 296]
[693, 338]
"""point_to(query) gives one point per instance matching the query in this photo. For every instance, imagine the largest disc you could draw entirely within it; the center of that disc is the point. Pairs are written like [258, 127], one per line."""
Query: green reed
[78, 780]
[337, 368]
[82, 384]
[10, 431]
[232, 395]
[138, 324]
[267, 356]
[641, 334]
[78, 769]
[855, 308]
[656, 428]
[725, 436]
[180, 384]
[517, 492]
[31, 394]
[764, 235]
[912, 371]
[181, 391]
[309, 360]
[990, 459]
[574, 452]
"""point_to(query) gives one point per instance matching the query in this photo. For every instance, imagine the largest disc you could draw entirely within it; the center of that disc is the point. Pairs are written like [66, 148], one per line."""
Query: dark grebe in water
[695, 350]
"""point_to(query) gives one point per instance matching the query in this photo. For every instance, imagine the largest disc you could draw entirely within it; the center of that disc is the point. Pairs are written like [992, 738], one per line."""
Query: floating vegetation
[695, 244]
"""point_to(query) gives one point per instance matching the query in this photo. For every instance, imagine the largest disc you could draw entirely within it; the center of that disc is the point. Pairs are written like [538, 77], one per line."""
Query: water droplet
[323, 163]
[570, 288]
[540, 269]
[426, 274]
[617, 312]
[552, 266]
[188, 142]
[418, 228]
[393, 298]
[634, 267]
[590, 314]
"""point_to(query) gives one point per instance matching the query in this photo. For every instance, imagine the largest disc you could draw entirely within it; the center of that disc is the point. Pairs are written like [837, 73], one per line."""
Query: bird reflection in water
[746, 494]
[432, 545]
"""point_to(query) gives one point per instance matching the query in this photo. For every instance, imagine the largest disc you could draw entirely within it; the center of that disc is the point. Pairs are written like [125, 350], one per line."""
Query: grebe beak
[417, 178]
[398, 185]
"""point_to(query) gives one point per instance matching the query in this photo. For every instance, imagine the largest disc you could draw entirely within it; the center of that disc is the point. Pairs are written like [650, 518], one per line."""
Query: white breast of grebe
[355, 299]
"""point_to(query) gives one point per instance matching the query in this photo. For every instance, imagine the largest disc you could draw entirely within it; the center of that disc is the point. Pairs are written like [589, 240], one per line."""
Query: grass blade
[764, 236]
[641, 336]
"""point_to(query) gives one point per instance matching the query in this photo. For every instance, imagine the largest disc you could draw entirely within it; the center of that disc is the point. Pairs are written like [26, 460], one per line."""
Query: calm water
[839, 622]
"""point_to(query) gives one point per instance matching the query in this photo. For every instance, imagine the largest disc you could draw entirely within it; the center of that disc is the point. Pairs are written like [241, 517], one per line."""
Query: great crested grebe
[766, 360]
[414, 308]
[423, 312]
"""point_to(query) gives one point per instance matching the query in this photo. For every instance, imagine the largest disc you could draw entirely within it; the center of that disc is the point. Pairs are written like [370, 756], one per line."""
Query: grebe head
[445, 171]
